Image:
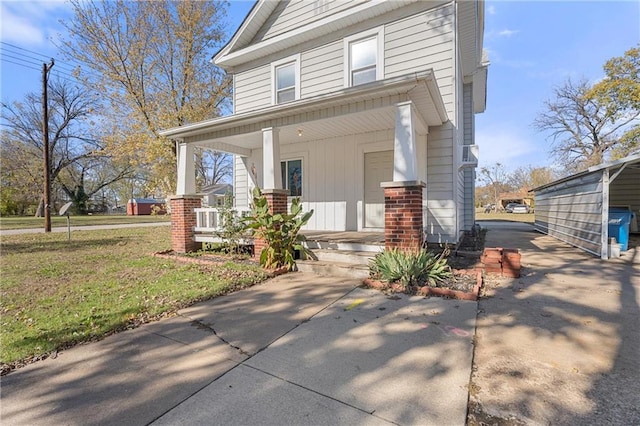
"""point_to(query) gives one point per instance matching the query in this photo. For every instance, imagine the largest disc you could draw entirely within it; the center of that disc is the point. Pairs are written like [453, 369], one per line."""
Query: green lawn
[55, 293]
[24, 222]
[511, 217]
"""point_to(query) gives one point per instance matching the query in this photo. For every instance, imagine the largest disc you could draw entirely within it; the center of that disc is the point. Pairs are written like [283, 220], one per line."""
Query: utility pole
[45, 135]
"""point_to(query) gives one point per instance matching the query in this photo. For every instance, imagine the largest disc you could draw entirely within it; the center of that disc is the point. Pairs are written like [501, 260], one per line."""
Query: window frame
[295, 60]
[378, 35]
[285, 182]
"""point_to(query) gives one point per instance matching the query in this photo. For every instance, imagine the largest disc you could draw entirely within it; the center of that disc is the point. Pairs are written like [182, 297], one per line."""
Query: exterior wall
[440, 225]
[420, 42]
[572, 212]
[293, 14]
[625, 191]
[467, 177]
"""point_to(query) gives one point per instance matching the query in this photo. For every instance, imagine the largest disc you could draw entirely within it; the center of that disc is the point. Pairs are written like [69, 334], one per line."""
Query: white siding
[293, 14]
[240, 183]
[322, 69]
[572, 212]
[468, 175]
[441, 207]
[253, 89]
[421, 42]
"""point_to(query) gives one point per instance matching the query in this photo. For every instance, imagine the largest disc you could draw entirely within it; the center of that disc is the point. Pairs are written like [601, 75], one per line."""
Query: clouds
[31, 23]
[509, 146]
[507, 33]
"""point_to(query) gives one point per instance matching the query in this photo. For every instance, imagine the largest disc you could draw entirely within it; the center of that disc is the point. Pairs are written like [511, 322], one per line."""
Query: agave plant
[410, 268]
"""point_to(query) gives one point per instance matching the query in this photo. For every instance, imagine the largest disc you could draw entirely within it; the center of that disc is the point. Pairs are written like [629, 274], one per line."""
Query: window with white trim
[363, 57]
[292, 176]
[285, 76]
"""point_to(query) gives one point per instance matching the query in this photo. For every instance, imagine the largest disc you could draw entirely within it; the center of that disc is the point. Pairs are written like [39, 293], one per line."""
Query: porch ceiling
[362, 109]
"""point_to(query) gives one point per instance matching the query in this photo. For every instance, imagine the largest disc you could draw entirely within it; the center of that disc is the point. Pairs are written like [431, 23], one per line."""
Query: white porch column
[186, 169]
[272, 179]
[405, 150]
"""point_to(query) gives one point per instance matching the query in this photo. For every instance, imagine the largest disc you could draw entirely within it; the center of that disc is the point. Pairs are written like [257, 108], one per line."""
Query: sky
[533, 46]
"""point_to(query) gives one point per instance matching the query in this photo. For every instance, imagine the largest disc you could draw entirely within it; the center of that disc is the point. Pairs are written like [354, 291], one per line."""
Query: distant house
[146, 206]
[363, 109]
[213, 195]
[519, 197]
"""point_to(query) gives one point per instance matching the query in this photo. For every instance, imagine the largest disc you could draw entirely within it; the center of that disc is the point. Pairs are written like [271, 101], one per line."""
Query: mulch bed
[463, 285]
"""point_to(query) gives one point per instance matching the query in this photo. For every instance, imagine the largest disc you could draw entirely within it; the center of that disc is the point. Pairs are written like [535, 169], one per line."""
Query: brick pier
[183, 221]
[403, 223]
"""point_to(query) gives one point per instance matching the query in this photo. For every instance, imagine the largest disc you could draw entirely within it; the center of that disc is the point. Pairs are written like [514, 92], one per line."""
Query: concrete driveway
[560, 345]
[299, 349]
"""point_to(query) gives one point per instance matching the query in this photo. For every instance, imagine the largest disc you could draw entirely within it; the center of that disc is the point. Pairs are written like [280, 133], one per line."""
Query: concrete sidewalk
[299, 349]
[560, 345]
[81, 228]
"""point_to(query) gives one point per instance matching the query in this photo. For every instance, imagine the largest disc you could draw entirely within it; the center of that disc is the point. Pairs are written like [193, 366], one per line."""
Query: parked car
[520, 208]
[509, 207]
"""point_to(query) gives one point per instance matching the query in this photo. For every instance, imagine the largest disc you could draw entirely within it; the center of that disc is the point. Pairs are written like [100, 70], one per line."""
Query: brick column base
[183, 221]
[403, 224]
[277, 200]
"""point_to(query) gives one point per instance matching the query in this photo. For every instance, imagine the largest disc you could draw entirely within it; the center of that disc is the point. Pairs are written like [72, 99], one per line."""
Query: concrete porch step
[339, 269]
[343, 263]
[343, 246]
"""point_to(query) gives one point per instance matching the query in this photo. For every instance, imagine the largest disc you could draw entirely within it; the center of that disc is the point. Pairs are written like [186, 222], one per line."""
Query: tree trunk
[40, 209]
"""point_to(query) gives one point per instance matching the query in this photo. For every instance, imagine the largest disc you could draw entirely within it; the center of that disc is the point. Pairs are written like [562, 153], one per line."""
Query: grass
[511, 217]
[56, 293]
[25, 222]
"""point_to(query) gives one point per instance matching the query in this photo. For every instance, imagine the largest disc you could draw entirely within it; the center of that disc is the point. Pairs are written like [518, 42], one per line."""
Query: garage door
[378, 167]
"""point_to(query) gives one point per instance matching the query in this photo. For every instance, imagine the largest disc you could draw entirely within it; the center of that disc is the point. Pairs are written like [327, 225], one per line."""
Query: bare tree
[72, 133]
[213, 167]
[529, 177]
[496, 180]
[582, 129]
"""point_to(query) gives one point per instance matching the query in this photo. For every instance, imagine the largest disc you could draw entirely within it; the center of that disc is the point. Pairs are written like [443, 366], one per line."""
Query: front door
[378, 167]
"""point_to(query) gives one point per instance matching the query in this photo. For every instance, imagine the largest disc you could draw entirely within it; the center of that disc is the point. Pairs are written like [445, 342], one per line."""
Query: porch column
[405, 150]
[271, 179]
[183, 221]
[403, 221]
[186, 169]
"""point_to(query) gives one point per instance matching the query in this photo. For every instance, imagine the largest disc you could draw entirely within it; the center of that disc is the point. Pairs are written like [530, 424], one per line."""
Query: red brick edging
[168, 254]
[432, 291]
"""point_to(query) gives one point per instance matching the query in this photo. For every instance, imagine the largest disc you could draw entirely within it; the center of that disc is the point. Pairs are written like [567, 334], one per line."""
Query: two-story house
[363, 108]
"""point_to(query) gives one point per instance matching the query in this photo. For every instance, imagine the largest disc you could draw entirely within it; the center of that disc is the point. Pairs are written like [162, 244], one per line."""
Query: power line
[46, 57]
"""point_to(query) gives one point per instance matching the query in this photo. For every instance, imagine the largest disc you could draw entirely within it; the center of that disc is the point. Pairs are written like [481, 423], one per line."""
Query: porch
[357, 157]
[209, 224]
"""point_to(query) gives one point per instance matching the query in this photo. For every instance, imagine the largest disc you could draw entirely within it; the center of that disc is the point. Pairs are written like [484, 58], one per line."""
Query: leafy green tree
[151, 61]
[620, 91]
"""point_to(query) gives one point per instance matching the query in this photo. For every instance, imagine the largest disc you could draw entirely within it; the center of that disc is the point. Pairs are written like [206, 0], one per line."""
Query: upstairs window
[286, 80]
[363, 58]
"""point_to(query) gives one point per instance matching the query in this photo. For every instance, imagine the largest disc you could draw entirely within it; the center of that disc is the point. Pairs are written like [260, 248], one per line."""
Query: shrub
[280, 231]
[232, 228]
[410, 268]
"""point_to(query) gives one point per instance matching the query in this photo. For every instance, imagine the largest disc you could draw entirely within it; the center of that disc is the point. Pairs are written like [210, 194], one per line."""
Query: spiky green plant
[410, 268]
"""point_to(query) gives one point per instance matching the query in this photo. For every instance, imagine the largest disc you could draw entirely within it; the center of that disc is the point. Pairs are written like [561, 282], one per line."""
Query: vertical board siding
[240, 183]
[468, 175]
[572, 212]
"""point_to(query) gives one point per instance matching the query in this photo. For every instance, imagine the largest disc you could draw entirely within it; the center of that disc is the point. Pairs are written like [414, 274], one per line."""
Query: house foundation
[183, 222]
[403, 223]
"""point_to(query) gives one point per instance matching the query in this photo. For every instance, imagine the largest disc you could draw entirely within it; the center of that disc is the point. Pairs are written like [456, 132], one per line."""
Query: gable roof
[240, 49]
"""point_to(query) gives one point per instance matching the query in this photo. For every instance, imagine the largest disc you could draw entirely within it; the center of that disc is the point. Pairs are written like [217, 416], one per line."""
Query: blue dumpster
[619, 221]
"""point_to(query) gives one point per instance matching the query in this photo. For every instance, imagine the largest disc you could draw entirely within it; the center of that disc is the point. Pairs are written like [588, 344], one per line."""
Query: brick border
[432, 291]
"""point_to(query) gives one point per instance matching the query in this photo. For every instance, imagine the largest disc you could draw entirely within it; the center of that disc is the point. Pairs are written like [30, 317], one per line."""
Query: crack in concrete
[202, 326]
